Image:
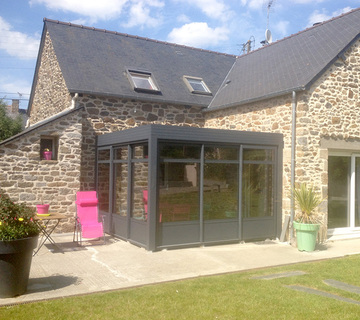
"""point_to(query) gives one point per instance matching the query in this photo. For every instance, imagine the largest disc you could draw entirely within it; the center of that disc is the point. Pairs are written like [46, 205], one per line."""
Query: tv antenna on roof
[248, 45]
[268, 36]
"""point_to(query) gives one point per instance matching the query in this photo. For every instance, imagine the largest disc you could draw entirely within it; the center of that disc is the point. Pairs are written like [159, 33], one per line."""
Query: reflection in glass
[179, 192]
[258, 154]
[257, 190]
[338, 193]
[140, 184]
[103, 186]
[121, 183]
[221, 153]
[220, 191]
[104, 155]
[174, 151]
[121, 153]
[140, 151]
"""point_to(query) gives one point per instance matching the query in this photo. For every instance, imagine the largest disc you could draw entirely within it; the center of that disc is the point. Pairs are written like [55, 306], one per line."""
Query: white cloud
[12, 85]
[183, 18]
[140, 15]
[94, 9]
[198, 34]
[281, 28]
[318, 16]
[307, 1]
[215, 9]
[18, 44]
[256, 4]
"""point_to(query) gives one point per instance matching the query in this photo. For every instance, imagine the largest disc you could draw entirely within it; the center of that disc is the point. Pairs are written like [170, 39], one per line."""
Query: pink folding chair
[145, 201]
[87, 223]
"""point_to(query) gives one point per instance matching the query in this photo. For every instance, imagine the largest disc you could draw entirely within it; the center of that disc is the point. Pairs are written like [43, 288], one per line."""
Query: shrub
[16, 220]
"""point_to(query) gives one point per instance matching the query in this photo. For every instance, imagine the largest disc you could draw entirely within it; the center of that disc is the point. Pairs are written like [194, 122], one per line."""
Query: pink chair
[145, 201]
[87, 223]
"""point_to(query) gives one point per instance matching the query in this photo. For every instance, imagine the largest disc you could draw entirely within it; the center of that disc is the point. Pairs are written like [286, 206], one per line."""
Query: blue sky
[218, 25]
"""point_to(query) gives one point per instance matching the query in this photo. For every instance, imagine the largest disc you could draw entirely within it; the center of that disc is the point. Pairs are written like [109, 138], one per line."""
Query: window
[196, 85]
[48, 144]
[344, 191]
[258, 183]
[143, 81]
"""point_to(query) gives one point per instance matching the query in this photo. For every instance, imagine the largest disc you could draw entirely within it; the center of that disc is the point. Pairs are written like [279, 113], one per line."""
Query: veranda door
[344, 191]
[258, 193]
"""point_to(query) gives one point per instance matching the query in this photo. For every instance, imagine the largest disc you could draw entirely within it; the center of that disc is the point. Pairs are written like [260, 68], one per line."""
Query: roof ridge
[136, 37]
[303, 31]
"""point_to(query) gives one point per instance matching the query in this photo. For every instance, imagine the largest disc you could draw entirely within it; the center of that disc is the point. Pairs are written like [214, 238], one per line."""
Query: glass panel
[257, 190]
[103, 186]
[221, 153]
[339, 184]
[179, 192]
[357, 192]
[197, 85]
[143, 81]
[121, 153]
[121, 183]
[140, 151]
[220, 191]
[173, 151]
[140, 183]
[258, 154]
[104, 155]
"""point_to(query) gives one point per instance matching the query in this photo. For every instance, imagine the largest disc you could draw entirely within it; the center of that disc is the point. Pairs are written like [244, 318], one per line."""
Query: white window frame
[133, 75]
[352, 196]
[200, 81]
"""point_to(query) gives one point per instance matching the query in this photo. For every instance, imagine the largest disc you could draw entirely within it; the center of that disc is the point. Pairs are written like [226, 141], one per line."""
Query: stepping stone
[280, 275]
[342, 286]
[323, 294]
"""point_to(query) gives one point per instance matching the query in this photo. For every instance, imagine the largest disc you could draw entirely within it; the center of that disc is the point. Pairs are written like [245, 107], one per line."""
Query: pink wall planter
[42, 208]
[47, 155]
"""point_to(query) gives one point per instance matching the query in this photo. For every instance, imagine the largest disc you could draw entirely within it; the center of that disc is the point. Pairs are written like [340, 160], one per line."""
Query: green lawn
[232, 296]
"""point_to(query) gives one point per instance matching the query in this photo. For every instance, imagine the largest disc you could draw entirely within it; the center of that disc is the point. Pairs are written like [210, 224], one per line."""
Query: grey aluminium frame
[155, 133]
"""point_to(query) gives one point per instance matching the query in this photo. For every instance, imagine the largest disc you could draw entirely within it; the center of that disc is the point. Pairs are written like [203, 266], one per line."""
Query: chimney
[15, 106]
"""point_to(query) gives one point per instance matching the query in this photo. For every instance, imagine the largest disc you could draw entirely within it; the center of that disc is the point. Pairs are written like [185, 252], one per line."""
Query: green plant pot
[306, 235]
[15, 262]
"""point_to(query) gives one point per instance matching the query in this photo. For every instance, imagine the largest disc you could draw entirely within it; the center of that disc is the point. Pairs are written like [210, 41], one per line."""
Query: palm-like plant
[306, 201]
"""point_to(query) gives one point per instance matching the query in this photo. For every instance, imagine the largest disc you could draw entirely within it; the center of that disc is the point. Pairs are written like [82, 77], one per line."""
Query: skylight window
[143, 81]
[196, 85]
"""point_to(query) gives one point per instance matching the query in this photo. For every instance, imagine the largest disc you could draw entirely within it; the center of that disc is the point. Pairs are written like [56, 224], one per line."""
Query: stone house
[200, 125]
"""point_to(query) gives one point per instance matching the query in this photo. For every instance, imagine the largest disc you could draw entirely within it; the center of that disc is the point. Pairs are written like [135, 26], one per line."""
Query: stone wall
[329, 110]
[27, 178]
[104, 115]
[51, 95]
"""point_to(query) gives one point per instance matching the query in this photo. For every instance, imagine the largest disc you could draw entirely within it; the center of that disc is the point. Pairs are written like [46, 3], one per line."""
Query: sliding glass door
[344, 191]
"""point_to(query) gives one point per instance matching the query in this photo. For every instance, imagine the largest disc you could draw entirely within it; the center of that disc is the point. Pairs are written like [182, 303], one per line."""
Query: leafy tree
[8, 125]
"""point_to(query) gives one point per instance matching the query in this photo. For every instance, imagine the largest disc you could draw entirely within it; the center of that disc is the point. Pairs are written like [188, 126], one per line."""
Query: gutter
[251, 100]
[293, 162]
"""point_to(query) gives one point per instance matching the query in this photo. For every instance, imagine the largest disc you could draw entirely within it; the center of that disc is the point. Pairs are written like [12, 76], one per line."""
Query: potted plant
[42, 208]
[18, 237]
[47, 154]
[306, 221]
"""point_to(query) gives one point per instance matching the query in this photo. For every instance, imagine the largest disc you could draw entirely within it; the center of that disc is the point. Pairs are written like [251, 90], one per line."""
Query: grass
[232, 296]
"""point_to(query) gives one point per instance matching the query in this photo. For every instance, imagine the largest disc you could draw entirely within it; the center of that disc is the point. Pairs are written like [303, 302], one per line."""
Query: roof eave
[147, 98]
[41, 123]
[37, 66]
[252, 100]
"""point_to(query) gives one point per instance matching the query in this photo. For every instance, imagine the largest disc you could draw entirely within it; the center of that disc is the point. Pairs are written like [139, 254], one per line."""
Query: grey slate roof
[291, 64]
[94, 61]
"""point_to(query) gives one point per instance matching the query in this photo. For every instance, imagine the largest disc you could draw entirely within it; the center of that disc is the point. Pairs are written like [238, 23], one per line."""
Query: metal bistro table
[42, 221]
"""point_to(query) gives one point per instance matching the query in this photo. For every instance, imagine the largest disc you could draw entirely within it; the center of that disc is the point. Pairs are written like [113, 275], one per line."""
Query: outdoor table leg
[46, 233]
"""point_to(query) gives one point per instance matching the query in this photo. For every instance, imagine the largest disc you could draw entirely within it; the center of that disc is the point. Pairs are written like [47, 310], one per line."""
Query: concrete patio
[96, 267]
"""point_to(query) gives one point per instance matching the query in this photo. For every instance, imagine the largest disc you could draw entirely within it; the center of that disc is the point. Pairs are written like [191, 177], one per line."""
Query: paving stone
[323, 294]
[342, 286]
[280, 275]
